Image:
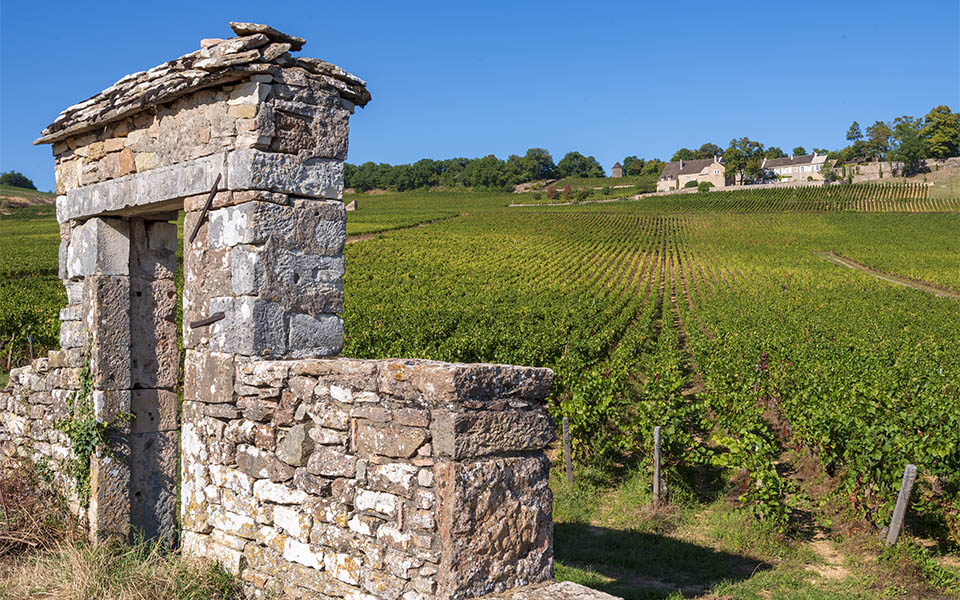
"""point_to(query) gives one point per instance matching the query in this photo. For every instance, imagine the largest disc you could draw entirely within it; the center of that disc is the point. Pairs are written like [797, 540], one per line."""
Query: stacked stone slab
[315, 477]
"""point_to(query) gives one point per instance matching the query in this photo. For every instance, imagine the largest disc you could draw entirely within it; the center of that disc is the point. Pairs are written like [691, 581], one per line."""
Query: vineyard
[710, 315]
[633, 310]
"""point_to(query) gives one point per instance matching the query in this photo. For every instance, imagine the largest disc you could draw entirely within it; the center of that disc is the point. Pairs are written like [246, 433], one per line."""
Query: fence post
[656, 466]
[903, 501]
[567, 459]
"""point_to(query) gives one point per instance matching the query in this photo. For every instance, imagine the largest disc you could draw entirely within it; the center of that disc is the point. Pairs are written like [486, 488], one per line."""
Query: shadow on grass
[637, 565]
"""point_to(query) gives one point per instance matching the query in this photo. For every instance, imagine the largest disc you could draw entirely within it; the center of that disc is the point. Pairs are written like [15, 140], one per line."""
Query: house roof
[689, 167]
[617, 165]
[257, 49]
[805, 159]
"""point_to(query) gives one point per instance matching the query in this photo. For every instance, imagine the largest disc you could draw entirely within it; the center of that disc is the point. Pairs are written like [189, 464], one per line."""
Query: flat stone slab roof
[259, 49]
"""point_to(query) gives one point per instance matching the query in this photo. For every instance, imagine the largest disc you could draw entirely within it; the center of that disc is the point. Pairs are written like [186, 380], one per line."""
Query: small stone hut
[305, 474]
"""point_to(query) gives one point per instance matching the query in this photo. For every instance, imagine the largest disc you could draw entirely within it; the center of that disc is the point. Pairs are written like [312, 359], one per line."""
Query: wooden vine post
[656, 466]
[903, 501]
[567, 458]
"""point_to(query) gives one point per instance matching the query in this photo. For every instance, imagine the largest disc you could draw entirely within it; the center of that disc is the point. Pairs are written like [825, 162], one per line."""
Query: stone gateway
[302, 473]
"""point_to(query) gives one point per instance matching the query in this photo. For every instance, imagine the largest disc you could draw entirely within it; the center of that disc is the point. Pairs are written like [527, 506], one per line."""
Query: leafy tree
[743, 159]
[828, 172]
[16, 179]
[575, 164]
[703, 187]
[683, 154]
[774, 152]
[708, 150]
[690, 184]
[799, 151]
[941, 128]
[854, 134]
[878, 140]
[652, 167]
[910, 146]
[537, 164]
[629, 160]
[821, 151]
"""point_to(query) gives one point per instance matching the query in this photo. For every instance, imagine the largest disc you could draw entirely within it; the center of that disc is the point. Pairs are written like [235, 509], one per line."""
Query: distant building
[677, 174]
[617, 170]
[795, 168]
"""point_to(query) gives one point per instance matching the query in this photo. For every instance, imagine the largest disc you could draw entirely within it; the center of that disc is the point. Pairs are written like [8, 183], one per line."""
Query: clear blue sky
[469, 79]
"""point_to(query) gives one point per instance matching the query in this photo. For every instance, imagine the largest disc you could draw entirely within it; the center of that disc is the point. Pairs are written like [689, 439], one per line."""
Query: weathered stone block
[315, 227]
[295, 446]
[106, 318]
[72, 334]
[109, 510]
[286, 173]
[389, 440]
[108, 405]
[397, 478]
[208, 376]
[329, 462]
[153, 483]
[504, 504]
[303, 283]
[262, 465]
[101, 246]
[442, 383]
[321, 335]
[153, 310]
[154, 410]
[467, 434]
[251, 327]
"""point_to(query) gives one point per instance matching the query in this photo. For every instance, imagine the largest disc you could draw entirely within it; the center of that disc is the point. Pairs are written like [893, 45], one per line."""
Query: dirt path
[899, 280]
[369, 236]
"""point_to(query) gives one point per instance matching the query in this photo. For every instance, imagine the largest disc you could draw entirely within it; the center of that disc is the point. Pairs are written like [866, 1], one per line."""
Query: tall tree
[854, 133]
[799, 151]
[683, 154]
[708, 150]
[774, 152]
[910, 147]
[537, 164]
[878, 140]
[575, 164]
[628, 162]
[941, 128]
[743, 159]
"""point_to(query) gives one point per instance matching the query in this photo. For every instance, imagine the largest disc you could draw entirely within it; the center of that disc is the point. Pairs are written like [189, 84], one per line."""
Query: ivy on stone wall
[86, 434]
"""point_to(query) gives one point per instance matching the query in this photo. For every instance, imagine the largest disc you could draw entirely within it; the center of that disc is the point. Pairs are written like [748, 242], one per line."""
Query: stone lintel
[162, 190]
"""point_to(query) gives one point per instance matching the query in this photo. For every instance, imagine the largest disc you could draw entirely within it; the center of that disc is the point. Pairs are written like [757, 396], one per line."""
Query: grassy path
[924, 286]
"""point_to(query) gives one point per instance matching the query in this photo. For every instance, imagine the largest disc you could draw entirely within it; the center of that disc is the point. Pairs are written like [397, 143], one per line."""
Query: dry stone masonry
[307, 475]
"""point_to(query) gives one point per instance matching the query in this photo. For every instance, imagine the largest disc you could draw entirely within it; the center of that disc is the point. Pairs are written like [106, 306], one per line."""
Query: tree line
[907, 140]
[488, 172]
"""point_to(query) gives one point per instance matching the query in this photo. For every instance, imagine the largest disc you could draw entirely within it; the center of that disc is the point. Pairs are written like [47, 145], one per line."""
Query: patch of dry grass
[44, 555]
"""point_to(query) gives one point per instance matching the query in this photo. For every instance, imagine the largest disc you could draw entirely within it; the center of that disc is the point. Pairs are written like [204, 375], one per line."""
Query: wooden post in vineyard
[903, 501]
[567, 459]
[656, 466]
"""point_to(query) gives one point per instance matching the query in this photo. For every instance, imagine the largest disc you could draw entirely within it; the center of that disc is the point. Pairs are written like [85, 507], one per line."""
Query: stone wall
[361, 478]
[119, 326]
[306, 476]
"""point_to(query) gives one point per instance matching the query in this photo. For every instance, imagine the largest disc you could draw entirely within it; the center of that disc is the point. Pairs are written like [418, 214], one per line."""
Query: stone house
[677, 174]
[617, 170]
[795, 168]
